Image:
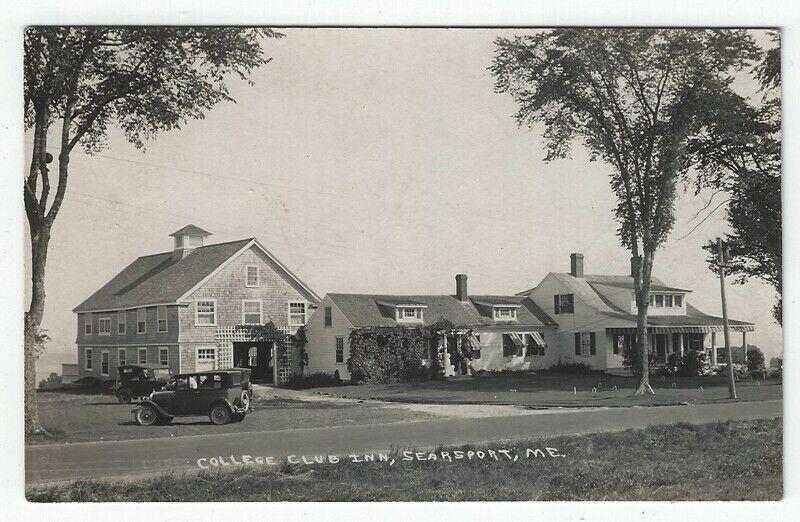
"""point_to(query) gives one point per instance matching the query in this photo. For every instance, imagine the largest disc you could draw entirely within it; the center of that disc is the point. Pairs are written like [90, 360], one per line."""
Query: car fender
[228, 404]
[153, 405]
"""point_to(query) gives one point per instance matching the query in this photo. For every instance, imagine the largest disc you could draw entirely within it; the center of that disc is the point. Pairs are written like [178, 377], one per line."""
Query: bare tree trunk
[40, 238]
[642, 287]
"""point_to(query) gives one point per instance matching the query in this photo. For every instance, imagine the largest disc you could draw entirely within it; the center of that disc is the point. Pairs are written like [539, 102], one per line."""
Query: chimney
[634, 266]
[461, 287]
[576, 264]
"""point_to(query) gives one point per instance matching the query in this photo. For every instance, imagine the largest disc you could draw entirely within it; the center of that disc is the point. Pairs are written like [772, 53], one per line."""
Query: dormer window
[505, 313]
[409, 314]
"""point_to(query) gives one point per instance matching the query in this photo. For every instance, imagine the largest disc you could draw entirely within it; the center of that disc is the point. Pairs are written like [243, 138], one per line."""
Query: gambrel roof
[164, 279]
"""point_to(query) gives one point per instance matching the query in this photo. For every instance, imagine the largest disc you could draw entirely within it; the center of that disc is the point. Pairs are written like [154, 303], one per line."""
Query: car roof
[226, 371]
[144, 366]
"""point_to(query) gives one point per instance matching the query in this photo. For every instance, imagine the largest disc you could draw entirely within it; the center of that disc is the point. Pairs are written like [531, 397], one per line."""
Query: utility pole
[722, 263]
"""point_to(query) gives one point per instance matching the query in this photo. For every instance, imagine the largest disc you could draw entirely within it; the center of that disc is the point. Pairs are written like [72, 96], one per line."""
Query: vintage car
[139, 380]
[223, 395]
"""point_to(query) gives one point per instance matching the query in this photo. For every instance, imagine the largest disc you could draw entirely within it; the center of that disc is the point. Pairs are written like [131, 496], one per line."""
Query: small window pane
[659, 300]
[679, 301]
[668, 301]
[252, 276]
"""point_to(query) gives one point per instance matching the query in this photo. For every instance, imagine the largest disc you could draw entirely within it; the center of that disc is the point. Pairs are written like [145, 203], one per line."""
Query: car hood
[160, 397]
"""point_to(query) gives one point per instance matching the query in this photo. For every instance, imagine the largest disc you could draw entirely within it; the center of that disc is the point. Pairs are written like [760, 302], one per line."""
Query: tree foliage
[738, 152]
[629, 97]
[84, 81]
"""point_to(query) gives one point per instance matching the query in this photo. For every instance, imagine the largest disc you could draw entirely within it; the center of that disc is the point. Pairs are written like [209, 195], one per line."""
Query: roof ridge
[198, 248]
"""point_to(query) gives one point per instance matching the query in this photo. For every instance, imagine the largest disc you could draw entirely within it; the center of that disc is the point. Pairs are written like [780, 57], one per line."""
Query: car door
[182, 397]
[207, 391]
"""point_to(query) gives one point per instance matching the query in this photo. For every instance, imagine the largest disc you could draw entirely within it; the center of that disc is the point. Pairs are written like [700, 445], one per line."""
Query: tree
[738, 152]
[629, 97]
[84, 80]
[754, 359]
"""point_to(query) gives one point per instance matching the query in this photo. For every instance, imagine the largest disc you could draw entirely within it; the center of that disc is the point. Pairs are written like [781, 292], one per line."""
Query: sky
[369, 160]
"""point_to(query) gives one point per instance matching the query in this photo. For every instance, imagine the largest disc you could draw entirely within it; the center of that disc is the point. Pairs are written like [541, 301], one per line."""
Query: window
[476, 347]
[206, 354]
[104, 326]
[623, 343]
[679, 301]
[513, 345]
[251, 312]
[252, 356]
[297, 313]
[668, 301]
[585, 343]
[163, 356]
[659, 300]
[161, 315]
[87, 324]
[564, 304]
[141, 320]
[88, 359]
[409, 314]
[252, 277]
[205, 313]
[122, 356]
[505, 314]
[535, 344]
[142, 355]
[122, 322]
[328, 317]
[339, 350]
[104, 363]
[652, 299]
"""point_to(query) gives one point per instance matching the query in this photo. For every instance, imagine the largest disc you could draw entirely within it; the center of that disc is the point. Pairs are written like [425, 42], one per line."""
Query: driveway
[130, 458]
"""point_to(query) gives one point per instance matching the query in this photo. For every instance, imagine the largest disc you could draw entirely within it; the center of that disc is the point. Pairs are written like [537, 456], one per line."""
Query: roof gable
[161, 279]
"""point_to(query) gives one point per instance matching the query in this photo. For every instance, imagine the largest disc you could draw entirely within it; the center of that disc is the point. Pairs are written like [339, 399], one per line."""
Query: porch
[667, 340]
[243, 346]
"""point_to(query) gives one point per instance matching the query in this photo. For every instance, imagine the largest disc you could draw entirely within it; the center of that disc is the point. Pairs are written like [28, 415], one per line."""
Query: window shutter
[555, 304]
[592, 346]
[577, 343]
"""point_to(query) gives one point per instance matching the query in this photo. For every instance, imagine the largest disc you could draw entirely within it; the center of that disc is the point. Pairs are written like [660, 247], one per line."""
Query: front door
[206, 357]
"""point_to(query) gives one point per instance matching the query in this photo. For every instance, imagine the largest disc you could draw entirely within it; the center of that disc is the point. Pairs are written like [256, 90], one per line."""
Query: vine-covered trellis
[407, 353]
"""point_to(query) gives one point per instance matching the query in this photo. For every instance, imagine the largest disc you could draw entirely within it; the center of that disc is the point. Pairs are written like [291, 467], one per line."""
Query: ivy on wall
[396, 353]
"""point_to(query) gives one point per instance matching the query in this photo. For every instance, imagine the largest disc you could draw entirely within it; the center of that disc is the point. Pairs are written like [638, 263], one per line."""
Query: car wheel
[220, 415]
[146, 416]
[124, 395]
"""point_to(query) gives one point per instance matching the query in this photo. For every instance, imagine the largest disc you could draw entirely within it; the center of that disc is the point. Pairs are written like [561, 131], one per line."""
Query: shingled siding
[151, 336]
[131, 357]
[229, 289]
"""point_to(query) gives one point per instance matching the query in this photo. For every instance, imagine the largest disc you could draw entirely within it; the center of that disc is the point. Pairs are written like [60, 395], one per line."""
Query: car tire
[220, 414]
[124, 395]
[146, 416]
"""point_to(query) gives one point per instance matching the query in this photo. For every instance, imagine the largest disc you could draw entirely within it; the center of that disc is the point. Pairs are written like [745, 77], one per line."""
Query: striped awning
[538, 339]
[517, 339]
[474, 342]
[682, 329]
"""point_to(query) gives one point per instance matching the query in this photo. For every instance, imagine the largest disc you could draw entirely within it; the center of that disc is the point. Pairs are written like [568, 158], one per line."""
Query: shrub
[755, 359]
[694, 363]
[673, 365]
[570, 368]
[314, 380]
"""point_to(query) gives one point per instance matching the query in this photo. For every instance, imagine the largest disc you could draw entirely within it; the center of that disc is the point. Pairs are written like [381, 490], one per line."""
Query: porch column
[744, 345]
[680, 344]
[275, 365]
[714, 348]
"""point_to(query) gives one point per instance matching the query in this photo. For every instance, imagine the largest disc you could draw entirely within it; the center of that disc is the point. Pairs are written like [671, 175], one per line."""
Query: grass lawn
[542, 391]
[735, 460]
[76, 417]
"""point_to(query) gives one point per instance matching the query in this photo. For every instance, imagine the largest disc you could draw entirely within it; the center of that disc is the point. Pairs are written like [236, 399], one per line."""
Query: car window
[181, 384]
